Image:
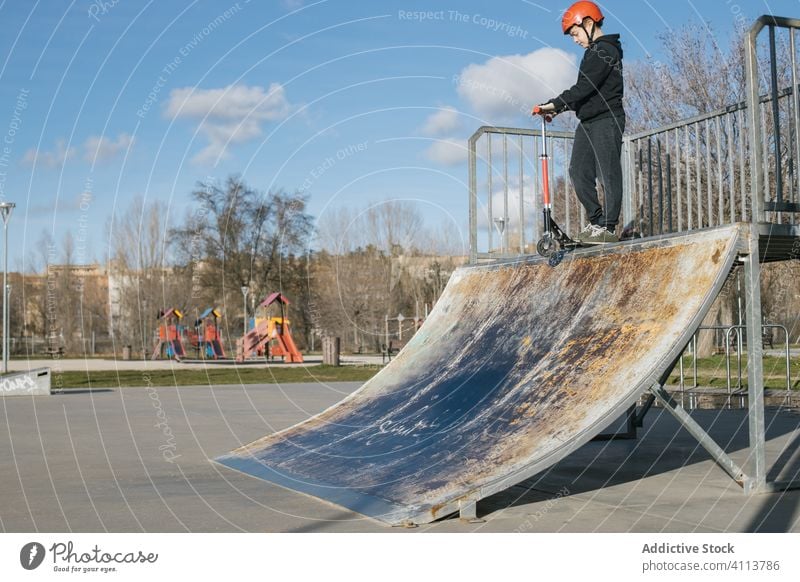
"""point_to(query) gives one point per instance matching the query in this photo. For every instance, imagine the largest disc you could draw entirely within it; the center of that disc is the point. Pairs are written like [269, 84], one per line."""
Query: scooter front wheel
[547, 245]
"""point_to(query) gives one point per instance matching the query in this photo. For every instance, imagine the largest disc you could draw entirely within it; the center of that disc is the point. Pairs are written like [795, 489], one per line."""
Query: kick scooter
[555, 243]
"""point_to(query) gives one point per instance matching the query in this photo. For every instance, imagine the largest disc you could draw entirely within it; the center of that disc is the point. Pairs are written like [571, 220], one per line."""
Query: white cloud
[98, 148]
[507, 87]
[443, 122]
[448, 152]
[231, 115]
[503, 90]
[54, 159]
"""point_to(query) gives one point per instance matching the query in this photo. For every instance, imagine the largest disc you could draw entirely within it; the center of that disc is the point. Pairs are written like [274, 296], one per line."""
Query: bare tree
[237, 236]
[697, 76]
[142, 277]
[376, 262]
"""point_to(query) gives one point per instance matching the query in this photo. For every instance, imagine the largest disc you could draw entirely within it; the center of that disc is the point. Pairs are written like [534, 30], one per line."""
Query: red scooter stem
[545, 182]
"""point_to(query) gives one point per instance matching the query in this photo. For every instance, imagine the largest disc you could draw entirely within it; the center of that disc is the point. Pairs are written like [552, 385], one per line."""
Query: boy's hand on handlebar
[546, 110]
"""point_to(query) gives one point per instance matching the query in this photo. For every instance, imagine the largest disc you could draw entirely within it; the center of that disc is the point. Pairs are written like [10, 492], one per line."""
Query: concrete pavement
[137, 459]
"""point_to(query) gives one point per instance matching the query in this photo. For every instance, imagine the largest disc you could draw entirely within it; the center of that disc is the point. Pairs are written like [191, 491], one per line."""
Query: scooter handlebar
[548, 115]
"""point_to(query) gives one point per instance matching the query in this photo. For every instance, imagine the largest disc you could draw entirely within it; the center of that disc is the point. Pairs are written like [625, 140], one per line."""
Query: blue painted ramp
[517, 365]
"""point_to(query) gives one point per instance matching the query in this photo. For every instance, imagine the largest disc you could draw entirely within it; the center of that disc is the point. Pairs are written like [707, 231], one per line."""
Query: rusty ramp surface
[517, 365]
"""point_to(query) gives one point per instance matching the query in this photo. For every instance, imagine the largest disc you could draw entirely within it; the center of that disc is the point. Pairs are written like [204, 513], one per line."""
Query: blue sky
[350, 102]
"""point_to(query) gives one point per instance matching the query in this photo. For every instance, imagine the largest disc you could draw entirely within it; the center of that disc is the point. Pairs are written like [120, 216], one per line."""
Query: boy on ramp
[596, 99]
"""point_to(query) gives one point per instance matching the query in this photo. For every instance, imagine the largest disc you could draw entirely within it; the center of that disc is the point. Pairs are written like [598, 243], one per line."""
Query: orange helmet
[577, 12]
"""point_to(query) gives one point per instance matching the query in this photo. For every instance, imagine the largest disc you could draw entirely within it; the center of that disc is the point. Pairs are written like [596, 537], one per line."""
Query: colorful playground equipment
[271, 336]
[168, 343]
[206, 337]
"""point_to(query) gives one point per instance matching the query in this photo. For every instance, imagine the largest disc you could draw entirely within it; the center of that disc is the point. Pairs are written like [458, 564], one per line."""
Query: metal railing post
[473, 200]
[627, 173]
[754, 120]
[773, 76]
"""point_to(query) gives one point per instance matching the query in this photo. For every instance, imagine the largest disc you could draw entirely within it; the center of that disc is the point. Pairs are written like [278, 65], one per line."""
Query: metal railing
[706, 171]
[726, 334]
[505, 199]
[737, 329]
[768, 175]
[688, 175]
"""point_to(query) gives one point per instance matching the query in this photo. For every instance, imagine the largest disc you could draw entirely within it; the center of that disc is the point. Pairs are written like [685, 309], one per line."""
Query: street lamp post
[5, 210]
[245, 289]
[145, 322]
[7, 326]
[501, 227]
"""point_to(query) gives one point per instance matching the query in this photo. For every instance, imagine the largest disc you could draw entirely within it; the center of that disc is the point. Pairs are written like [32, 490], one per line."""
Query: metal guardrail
[732, 164]
[737, 329]
[764, 180]
[505, 197]
[727, 332]
[689, 175]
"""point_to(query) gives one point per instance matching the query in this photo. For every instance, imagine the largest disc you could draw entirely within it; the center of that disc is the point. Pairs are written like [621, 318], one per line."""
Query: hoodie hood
[613, 40]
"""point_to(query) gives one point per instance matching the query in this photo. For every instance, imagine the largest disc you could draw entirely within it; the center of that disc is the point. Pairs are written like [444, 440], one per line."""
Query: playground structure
[271, 336]
[206, 337]
[168, 342]
[563, 352]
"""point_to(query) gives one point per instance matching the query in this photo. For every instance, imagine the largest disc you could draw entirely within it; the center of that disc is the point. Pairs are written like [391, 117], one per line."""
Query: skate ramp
[517, 365]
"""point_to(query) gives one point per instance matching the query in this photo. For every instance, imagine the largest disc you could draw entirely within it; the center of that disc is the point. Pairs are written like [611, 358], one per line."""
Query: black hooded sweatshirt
[598, 91]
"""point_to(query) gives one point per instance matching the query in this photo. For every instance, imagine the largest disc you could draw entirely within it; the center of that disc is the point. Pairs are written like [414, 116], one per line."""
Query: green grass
[212, 376]
[711, 372]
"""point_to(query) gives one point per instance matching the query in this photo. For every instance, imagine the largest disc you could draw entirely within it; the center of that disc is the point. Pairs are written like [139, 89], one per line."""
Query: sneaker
[596, 235]
[584, 234]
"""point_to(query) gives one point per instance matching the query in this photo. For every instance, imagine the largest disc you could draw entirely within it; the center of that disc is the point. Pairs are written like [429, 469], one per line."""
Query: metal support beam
[703, 438]
[638, 420]
[468, 511]
[630, 428]
[756, 460]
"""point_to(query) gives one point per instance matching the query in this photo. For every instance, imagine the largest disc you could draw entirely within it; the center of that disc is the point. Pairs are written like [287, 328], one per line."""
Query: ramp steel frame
[752, 478]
